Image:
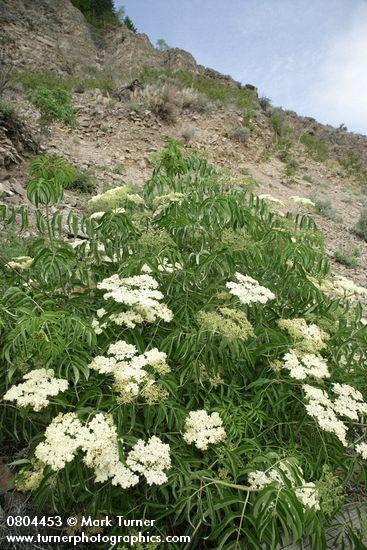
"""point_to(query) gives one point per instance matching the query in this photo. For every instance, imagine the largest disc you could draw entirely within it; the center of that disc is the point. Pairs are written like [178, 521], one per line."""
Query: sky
[308, 56]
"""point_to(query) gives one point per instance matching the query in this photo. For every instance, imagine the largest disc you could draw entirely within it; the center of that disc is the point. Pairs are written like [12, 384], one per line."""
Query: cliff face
[126, 52]
[53, 35]
[45, 34]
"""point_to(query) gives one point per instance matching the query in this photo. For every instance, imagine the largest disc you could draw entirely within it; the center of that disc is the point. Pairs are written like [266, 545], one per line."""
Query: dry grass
[166, 99]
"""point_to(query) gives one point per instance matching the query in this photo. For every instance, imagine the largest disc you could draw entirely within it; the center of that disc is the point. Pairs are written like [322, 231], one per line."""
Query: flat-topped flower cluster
[270, 198]
[162, 201]
[114, 199]
[39, 385]
[203, 429]
[164, 266]
[140, 295]
[303, 360]
[307, 337]
[129, 369]
[20, 262]
[339, 287]
[302, 365]
[230, 323]
[248, 290]
[347, 402]
[98, 440]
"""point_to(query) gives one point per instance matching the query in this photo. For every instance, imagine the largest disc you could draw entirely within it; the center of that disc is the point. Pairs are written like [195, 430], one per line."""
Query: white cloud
[340, 92]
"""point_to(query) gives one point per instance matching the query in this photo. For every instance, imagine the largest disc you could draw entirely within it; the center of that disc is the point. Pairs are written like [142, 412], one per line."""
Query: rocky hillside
[271, 151]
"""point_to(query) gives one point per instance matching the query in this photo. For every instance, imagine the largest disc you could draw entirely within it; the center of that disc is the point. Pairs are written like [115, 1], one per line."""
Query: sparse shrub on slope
[353, 164]
[7, 110]
[195, 365]
[52, 168]
[277, 123]
[361, 226]
[264, 102]
[315, 147]
[53, 105]
[325, 208]
[242, 135]
[248, 117]
[166, 99]
[346, 257]
[162, 45]
[162, 101]
[284, 148]
[188, 134]
[194, 101]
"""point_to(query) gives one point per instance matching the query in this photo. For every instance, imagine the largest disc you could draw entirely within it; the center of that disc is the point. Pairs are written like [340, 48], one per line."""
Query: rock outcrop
[15, 140]
[45, 34]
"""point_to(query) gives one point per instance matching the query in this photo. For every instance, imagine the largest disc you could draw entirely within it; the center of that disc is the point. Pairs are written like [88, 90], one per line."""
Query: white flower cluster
[165, 267]
[63, 437]
[361, 448]
[309, 338]
[20, 262]
[114, 199]
[30, 480]
[345, 287]
[98, 215]
[339, 286]
[102, 453]
[301, 365]
[128, 369]
[140, 295]
[270, 198]
[303, 201]
[303, 360]
[347, 403]
[39, 386]
[203, 429]
[164, 200]
[248, 290]
[306, 492]
[150, 459]
[66, 435]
